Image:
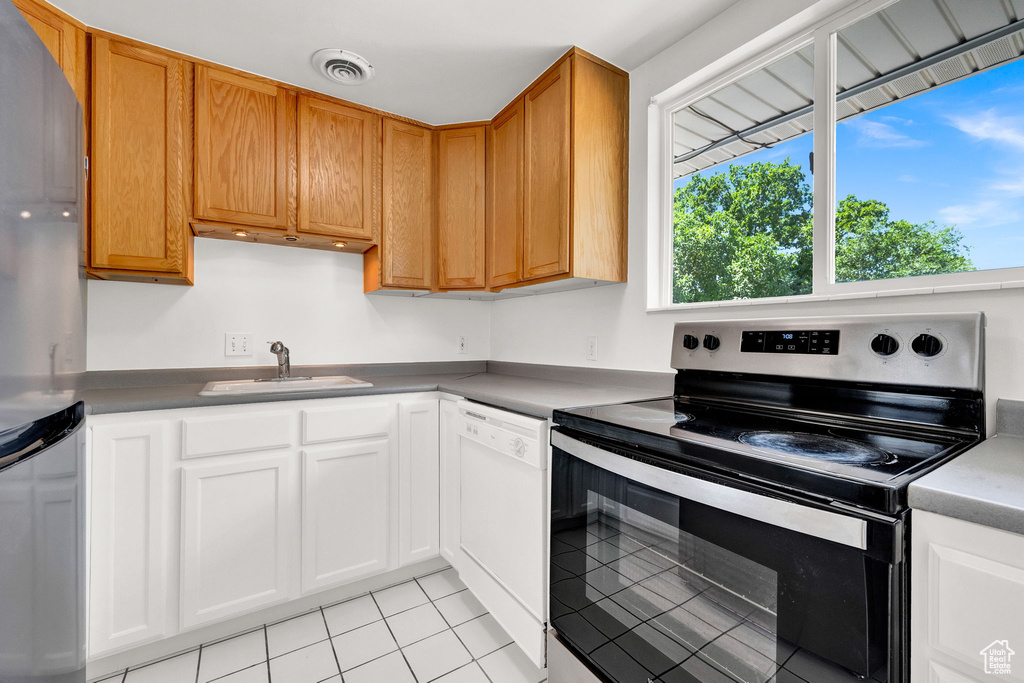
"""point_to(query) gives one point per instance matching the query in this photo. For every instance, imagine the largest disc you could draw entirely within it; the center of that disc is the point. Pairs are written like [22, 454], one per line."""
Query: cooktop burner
[816, 446]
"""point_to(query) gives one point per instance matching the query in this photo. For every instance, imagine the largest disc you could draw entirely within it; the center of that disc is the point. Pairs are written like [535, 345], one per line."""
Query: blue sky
[953, 155]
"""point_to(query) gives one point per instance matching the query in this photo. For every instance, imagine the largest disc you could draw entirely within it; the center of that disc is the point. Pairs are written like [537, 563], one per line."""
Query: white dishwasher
[502, 459]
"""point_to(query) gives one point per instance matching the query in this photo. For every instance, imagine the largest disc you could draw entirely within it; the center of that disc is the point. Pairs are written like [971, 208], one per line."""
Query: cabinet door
[238, 521]
[547, 121]
[339, 163]
[128, 590]
[344, 513]
[407, 236]
[505, 198]
[242, 144]
[450, 493]
[64, 40]
[418, 486]
[461, 206]
[967, 588]
[139, 117]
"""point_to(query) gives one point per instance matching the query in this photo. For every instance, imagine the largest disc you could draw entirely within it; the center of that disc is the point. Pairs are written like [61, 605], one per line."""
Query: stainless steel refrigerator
[42, 357]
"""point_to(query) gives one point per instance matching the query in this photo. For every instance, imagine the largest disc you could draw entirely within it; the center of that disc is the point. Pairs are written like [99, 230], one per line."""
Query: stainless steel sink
[286, 385]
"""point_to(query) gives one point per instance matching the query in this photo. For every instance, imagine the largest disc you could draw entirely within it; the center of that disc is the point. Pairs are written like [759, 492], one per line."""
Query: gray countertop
[523, 393]
[985, 485]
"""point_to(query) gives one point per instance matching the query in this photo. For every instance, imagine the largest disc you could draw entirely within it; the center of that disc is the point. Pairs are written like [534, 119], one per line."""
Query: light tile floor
[424, 630]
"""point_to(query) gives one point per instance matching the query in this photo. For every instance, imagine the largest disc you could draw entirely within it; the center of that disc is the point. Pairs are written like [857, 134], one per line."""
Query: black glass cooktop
[774, 444]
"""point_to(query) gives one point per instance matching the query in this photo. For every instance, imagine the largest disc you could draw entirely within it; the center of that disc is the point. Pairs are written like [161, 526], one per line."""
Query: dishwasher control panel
[517, 436]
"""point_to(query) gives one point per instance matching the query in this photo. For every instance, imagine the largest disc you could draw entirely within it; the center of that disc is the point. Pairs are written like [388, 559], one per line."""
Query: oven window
[646, 586]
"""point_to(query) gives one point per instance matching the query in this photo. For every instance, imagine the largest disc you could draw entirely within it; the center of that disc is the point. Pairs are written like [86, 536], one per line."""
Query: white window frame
[732, 68]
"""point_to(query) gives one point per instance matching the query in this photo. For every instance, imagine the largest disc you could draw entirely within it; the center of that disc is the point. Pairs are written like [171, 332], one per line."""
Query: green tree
[746, 233]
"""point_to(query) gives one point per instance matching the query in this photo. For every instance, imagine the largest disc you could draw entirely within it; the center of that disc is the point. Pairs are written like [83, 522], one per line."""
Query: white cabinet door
[344, 513]
[967, 589]
[238, 526]
[449, 483]
[128, 591]
[418, 486]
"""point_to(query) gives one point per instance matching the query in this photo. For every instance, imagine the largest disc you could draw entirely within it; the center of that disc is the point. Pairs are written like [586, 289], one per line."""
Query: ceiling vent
[342, 66]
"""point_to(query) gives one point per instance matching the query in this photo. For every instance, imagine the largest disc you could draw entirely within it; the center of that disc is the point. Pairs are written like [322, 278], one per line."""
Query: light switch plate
[591, 348]
[238, 344]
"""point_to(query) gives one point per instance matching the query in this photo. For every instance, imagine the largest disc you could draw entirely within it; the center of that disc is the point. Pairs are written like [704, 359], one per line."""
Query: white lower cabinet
[418, 481]
[967, 602]
[344, 513]
[202, 514]
[129, 509]
[238, 525]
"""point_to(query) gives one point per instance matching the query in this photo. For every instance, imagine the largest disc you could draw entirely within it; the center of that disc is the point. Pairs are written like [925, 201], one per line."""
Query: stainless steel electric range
[754, 526]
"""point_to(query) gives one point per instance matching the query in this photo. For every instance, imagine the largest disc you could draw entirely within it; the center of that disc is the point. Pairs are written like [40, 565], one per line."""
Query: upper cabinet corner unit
[573, 122]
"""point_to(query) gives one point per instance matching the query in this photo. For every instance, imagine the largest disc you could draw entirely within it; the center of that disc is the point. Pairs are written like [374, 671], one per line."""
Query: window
[918, 174]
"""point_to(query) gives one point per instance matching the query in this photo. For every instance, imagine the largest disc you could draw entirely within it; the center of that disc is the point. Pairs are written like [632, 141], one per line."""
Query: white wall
[312, 300]
[553, 328]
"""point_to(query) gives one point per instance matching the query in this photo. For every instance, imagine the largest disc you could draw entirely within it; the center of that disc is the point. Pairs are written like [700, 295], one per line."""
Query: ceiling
[446, 61]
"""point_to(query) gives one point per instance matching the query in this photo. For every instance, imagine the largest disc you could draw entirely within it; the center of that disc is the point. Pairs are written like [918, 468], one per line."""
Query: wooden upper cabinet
[339, 167]
[600, 169]
[548, 117]
[64, 38]
[406, 250]
[244, 136]
[461, 205]
[140, 163]
[505, 197]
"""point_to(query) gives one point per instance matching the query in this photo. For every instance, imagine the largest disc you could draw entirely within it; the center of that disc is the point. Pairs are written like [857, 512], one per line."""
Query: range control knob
[690, 341]
[926, 345]
[884, 345]
[711, 342]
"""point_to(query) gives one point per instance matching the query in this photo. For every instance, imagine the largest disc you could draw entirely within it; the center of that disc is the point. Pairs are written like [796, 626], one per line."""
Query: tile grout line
[334, 652]
[404, 658]
[266, 649]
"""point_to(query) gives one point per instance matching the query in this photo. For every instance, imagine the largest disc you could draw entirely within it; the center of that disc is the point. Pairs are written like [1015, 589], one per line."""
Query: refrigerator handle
[18, 444]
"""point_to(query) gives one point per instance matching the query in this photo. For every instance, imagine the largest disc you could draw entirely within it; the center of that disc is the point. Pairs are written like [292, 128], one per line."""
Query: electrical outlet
[461, 344]
[591, 348]
[236, 344]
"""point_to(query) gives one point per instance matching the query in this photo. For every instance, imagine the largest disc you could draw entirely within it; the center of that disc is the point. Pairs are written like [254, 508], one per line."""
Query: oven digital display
[823, 342]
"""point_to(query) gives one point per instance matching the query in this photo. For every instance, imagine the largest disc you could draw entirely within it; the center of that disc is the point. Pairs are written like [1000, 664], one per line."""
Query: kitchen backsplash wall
[311, 300]
[554, 328]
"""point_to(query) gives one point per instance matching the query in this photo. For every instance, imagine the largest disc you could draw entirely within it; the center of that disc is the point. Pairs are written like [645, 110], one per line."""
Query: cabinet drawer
[320, 425]
[221, 435]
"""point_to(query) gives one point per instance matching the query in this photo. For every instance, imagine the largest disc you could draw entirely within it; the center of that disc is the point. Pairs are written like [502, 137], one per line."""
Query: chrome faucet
[284, 365]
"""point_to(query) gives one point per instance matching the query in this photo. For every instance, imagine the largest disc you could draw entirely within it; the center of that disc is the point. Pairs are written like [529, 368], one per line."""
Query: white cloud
[907, 178]
[982, 213]
[990, 126]
[1013, 187]
[878, 134]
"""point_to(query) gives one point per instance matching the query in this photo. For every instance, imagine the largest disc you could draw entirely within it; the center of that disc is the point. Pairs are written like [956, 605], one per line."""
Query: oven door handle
[830, 526]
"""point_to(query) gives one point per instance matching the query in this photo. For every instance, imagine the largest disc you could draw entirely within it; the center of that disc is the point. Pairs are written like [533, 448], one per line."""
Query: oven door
[664, 574]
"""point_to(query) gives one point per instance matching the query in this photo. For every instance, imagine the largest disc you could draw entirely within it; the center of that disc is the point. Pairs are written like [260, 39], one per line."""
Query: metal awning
[906, 49]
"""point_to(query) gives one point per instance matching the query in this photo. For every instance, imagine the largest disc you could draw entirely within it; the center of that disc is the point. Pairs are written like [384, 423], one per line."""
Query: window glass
[741, 204]
[929, 142]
